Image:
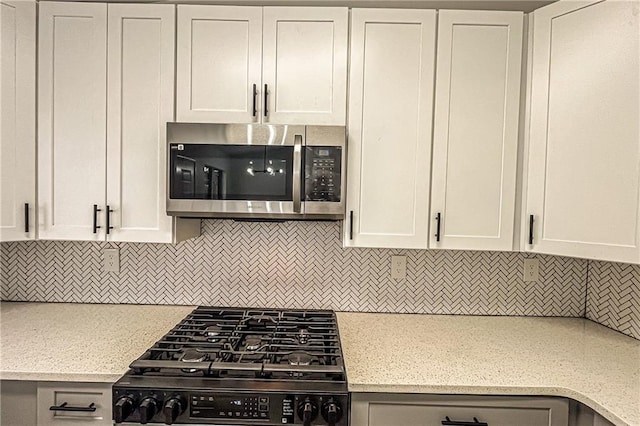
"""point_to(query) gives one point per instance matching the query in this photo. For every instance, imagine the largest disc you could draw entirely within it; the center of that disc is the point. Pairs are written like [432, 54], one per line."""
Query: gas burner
[303, 336]
[299, 358]
[212, 333]
[260, 321]
[191, 356]
[252, 343]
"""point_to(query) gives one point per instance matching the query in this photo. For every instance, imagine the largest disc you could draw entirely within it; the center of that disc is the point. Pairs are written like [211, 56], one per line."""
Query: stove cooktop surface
[248, 343]
[230, 365]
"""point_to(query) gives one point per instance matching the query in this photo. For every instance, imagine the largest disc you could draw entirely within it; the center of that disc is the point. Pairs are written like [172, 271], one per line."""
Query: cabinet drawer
[433, 410]
[381, 414]
[74, 395]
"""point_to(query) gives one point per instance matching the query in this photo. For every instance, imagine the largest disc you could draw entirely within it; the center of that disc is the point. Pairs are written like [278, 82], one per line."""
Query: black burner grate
[248, 343]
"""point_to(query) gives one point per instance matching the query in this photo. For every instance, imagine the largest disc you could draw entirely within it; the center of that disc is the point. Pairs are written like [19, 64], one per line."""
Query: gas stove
[230, 366]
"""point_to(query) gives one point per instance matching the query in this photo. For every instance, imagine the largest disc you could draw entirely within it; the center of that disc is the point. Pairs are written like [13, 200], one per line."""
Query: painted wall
[303, 265]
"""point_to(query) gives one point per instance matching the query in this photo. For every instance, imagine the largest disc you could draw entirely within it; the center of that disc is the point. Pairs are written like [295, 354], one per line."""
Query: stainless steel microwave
[256, 171]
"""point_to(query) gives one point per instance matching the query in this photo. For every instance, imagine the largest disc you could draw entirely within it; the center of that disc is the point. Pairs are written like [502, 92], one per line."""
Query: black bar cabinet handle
[66, 407]
[530, 229]
[266, 94]
[109, 227]
[351, 224]
[255, 100]
[95, 218]
[448, 422]
[438, 227]
[26, 218]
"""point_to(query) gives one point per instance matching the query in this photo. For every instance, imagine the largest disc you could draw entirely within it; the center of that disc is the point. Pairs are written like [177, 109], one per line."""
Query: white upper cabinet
[17, 120]
[235, 65]
[140, 103]
[102, 132]
[72, 117]
[584, 140]
[390, 117]
[219, 63]
[475, 143]
[305, 65]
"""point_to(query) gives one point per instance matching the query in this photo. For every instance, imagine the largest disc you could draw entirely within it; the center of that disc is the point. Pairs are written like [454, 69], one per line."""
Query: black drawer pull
[437, 227]
[448, 422]
[66, 407]
[530, 229]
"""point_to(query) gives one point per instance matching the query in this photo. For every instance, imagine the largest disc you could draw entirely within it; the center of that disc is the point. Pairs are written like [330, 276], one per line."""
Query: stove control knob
[148, 408]
[307, 411]
[172, 409]
[123, 408]
[331, 412]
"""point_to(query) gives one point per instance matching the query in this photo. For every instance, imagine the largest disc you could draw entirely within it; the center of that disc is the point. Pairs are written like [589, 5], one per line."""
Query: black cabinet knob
[123, 408]
[172, 409]
[148, 408]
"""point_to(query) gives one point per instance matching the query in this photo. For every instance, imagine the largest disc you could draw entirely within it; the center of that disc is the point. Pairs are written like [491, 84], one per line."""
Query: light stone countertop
[395, 353]
[78, 342]
[567, 357]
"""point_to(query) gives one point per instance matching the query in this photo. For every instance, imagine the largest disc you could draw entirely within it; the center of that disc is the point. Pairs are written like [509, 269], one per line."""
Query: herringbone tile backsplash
[291, 264]
[613, 296]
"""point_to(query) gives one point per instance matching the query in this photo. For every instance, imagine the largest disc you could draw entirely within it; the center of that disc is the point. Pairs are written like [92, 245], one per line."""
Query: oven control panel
[144, 406]
[245, 407]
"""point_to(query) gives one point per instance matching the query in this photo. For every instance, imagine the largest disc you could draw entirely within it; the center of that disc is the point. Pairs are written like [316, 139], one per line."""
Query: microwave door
[230, 179]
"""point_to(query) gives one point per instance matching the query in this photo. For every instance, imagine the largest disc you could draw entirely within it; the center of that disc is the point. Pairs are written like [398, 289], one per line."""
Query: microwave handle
[297, 171]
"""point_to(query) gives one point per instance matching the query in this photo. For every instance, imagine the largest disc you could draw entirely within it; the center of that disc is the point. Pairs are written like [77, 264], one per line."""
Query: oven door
[234, 170]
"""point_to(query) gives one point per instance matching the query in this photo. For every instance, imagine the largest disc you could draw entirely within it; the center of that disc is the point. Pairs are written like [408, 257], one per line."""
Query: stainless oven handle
[297, 170]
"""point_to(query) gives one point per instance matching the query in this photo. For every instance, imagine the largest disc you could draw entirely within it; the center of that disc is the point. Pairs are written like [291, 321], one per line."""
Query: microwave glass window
[231, 172]
[322, 173]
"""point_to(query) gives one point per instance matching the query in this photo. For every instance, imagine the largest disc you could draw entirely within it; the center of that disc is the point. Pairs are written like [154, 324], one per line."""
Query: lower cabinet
[436, 410]
[581, 415]
[72, 404]
[598, 420]
[18, 402]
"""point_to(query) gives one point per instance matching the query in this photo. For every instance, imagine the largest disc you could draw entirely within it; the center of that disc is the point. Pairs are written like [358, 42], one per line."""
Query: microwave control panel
[322, 173]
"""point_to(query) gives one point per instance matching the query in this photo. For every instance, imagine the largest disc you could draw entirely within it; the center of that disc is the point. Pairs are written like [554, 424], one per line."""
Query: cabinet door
[18, 398]
[17, 120]
[305, 65]
[72, 119]
[219, 63]
[475, 143]
[584, 139]
[390, 107]
[140, 103]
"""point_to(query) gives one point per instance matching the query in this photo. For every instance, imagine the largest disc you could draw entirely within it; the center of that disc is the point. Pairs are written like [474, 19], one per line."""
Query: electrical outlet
[531, 267]
[398, 267]
[112, 260]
